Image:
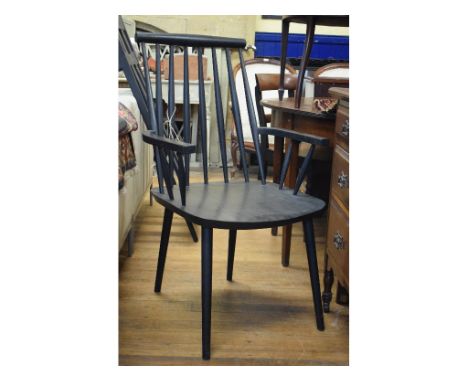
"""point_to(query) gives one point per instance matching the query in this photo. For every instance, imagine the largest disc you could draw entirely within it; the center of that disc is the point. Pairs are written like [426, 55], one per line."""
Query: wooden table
[305, 119]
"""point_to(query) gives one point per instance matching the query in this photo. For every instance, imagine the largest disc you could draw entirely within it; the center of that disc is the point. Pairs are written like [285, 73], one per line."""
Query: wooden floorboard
[264, 317]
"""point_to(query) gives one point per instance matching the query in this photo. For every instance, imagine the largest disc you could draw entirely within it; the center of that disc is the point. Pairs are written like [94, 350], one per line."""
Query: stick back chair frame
[250, 204]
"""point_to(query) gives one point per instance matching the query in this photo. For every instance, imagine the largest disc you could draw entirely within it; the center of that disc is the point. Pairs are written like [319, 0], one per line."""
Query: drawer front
[342, 126]
[338, 242]
[340, 175]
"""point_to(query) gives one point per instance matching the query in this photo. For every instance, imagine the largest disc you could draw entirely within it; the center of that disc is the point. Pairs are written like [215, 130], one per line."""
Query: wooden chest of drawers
[337, 244]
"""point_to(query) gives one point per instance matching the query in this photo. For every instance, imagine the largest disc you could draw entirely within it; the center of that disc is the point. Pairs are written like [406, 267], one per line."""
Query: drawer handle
[338, 240]
[342, 180]
[345, 128]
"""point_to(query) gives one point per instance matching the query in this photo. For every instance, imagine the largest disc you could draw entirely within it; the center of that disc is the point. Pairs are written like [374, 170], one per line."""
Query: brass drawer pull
[345, 128]
[343, 180]
[338, 240]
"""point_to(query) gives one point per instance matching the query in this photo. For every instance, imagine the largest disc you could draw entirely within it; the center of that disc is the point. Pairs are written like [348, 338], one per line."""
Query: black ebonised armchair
[247, 204]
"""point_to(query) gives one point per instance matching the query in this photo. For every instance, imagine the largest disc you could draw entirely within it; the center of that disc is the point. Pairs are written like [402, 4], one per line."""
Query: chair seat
[240, 205]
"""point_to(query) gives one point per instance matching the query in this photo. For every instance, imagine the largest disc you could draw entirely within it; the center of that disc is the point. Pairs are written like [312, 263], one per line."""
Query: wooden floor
[264, 317]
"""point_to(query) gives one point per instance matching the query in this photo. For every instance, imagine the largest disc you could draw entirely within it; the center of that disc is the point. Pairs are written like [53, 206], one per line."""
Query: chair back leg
[313, 271]
[166, 232]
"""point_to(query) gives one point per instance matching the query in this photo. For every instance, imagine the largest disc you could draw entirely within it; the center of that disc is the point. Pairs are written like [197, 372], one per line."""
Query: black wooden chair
[241, 205]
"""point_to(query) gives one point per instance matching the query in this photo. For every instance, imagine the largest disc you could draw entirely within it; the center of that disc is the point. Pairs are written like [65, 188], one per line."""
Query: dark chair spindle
[181, 175]
[236, 115]
[171, 90]
[284, 168]
[303, 169]
[220, 116]
[202, 115]
[167, 174]
[252, 118]
[159, 97]
[187, 114]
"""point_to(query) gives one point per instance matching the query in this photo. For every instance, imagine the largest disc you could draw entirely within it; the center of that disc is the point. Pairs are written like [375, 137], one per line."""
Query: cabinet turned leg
[342, 297]
[327, 294]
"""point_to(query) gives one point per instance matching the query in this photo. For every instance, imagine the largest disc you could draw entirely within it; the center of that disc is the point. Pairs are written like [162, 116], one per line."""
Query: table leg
[284, 48]
[305, 58]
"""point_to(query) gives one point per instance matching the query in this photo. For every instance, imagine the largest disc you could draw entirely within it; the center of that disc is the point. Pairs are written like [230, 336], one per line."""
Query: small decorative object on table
[326, 105]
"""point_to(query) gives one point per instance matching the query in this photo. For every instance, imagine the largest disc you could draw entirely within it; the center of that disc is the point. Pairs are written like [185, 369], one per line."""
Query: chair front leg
[207, 264]
[313, 272]
[166, 232]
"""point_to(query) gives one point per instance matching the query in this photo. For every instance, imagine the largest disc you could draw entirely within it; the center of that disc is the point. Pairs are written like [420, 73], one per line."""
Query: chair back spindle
[159, 97]
[236, 115]
[202, 115]
[171, 91]
[303, 169]
[187, 133]
[252, 117]
[219, 115]
[285, 165]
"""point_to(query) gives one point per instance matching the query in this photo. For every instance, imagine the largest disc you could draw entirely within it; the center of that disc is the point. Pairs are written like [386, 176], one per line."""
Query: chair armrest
[170, 144]
[294, 135]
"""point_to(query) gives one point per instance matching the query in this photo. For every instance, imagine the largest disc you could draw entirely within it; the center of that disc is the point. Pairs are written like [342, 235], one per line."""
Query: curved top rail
[190, 40]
